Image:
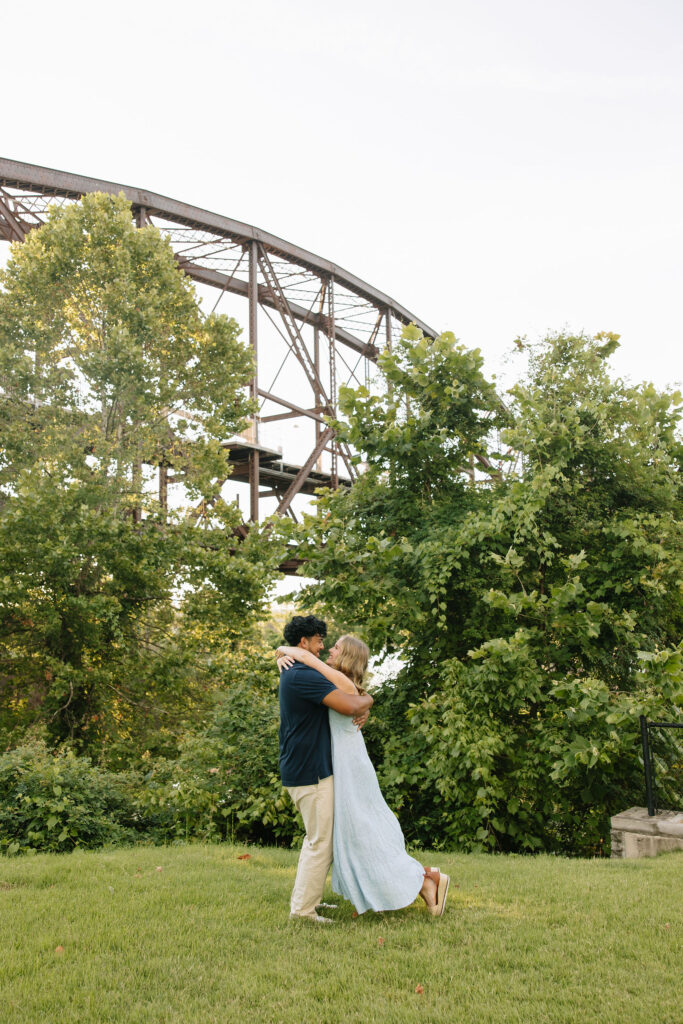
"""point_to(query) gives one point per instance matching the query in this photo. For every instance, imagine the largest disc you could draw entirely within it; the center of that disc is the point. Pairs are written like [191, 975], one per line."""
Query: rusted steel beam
[254, 468]
[295, 410]
[317, 398]
[253, 485]
[375, 329]
[334, 474]
[11, 227]
[204, 507]
[277, 477]
[296, 341]
[291, 565]
[237, 287]
[290, 416]
[301, 476]
[253, 344]
[300, 350]
[32, 178]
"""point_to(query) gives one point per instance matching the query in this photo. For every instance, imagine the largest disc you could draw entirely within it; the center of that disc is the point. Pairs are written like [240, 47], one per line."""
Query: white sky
[499, 168]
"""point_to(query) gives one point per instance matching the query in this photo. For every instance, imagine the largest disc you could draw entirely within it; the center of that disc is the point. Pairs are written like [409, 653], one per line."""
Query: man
[306, 758]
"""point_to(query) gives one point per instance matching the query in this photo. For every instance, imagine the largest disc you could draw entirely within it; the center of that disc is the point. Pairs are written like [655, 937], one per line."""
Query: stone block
[636, 834]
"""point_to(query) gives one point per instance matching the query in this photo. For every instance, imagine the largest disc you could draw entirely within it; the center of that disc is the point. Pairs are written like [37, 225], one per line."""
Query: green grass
[207, 939]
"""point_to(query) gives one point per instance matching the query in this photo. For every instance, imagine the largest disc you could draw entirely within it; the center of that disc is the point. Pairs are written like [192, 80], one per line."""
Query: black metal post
[647, 763]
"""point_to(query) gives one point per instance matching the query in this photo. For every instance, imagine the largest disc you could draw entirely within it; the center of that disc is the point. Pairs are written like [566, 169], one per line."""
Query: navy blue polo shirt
[305, 747]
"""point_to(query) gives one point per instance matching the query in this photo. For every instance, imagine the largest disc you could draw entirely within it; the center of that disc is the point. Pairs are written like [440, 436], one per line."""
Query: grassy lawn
[107, 937]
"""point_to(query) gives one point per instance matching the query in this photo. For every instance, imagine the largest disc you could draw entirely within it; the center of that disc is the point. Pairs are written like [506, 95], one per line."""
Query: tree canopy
[116, 397]
[537, 612]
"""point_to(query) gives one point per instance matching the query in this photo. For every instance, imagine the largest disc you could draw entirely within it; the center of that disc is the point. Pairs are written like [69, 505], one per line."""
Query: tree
[373, 547]
[538, 614]
[116, 394]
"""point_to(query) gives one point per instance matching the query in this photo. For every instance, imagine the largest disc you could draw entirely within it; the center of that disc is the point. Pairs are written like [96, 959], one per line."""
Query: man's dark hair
[304, 626]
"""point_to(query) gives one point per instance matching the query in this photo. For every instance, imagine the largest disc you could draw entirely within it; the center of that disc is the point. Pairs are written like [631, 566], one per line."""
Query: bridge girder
[316, 303]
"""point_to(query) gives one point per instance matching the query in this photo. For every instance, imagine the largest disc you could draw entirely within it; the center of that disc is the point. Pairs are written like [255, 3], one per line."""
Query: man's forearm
[366, 703]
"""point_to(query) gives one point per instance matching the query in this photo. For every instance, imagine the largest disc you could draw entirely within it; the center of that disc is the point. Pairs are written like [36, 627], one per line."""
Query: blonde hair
[353, 659]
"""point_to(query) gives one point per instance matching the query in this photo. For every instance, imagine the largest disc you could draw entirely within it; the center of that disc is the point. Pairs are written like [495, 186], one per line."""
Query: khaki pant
[315, 804]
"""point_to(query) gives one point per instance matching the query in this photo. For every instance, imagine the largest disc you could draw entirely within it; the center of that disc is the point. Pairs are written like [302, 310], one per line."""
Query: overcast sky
[499, 168]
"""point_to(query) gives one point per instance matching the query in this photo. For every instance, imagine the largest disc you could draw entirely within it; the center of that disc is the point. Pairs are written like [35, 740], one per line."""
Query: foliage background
[537, 612]
[521, 558]
[129, 605]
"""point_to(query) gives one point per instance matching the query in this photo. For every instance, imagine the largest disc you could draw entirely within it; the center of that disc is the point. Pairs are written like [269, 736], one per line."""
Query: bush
[513, 757]
[537, 613]
[226, 783]
[56, 802]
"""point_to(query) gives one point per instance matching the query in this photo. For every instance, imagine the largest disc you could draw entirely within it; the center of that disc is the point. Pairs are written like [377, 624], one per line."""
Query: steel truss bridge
[328, 322]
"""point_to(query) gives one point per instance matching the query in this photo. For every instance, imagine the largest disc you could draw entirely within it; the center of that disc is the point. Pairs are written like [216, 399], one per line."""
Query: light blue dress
[371, 867]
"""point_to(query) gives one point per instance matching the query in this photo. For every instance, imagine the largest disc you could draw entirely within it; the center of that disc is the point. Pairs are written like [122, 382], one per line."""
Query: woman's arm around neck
[341, 681]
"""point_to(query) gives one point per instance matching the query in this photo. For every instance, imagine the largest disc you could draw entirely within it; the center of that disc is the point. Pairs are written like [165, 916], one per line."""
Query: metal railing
[663, 763]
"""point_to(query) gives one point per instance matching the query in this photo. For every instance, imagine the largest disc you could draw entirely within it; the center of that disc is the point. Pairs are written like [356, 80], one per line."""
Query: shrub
[226, 784]
[537, 613]
[56, 802]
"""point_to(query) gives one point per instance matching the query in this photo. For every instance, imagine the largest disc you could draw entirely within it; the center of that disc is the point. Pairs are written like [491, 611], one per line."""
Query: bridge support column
[253, 387]
[317, 396]
[334, 447]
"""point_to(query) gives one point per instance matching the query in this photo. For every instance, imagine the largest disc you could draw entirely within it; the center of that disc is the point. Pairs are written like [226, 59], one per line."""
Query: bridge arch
[329, 322]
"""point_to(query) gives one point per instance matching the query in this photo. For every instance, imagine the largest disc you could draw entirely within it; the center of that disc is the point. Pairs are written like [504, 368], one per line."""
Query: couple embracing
[329, 776]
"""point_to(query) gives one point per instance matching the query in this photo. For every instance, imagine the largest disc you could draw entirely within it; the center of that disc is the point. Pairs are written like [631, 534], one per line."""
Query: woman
[371, 867]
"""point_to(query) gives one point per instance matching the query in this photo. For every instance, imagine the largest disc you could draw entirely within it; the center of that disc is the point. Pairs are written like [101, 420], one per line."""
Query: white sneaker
[316, 918]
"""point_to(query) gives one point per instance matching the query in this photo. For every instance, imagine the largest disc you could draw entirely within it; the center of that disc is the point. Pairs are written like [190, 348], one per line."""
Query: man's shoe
[315, 918]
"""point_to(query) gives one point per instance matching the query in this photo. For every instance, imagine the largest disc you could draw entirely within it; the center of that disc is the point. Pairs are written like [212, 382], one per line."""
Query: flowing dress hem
[377, 910]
